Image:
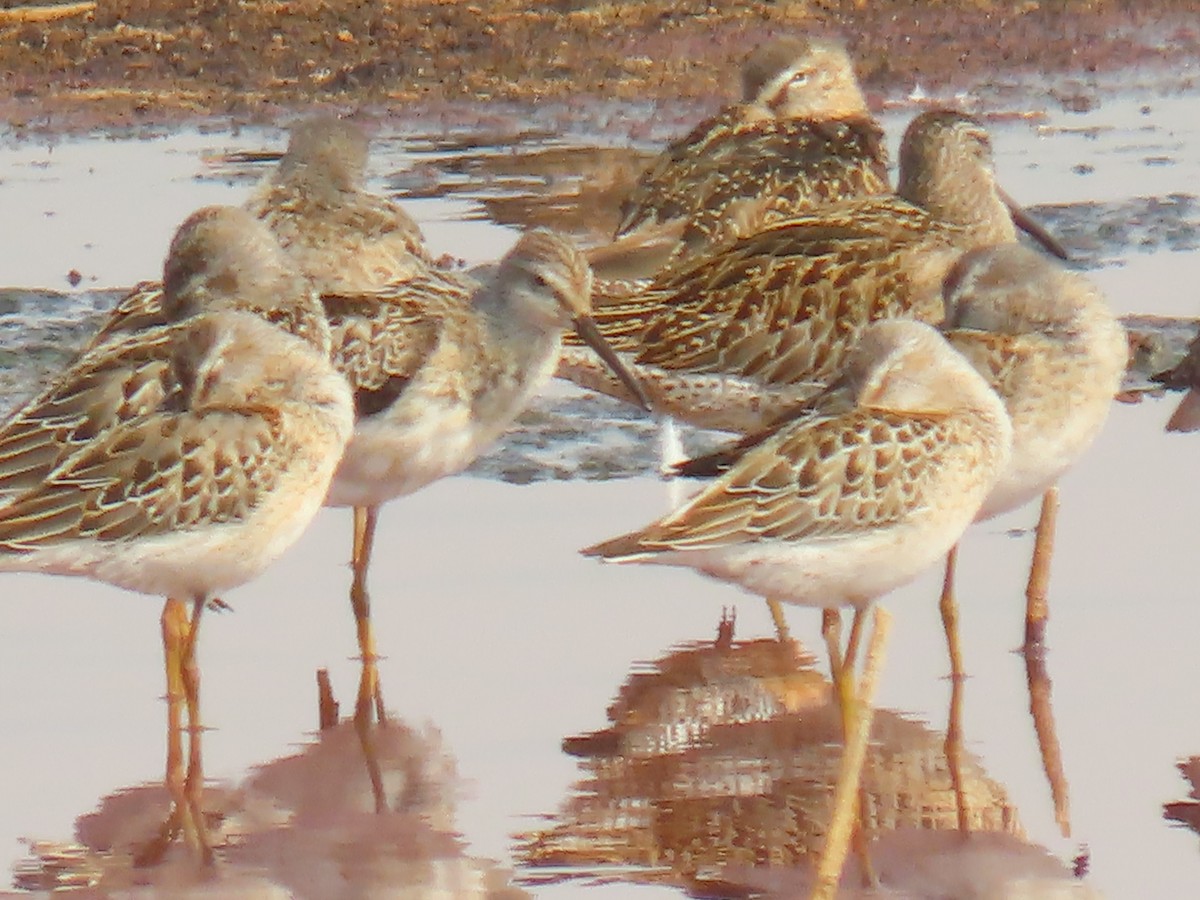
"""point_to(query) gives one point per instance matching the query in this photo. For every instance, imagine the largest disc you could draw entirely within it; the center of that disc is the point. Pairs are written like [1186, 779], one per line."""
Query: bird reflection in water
[308, 825]
[715, 772]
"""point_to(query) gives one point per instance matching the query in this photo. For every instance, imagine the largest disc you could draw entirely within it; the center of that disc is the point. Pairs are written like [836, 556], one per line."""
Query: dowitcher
[438, 374]
[344, 239]
[801, 136]
[778, 311]
[847, 500]
[1046, 341]
[856, 494]
[338, 234]
[341, 236]
[182, 460]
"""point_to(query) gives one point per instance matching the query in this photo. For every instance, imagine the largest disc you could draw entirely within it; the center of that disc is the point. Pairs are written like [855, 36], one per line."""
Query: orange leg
[370, 692]
[1037, 610]
[175, 633]
[954, 740]
[197, 836]
[845, 823]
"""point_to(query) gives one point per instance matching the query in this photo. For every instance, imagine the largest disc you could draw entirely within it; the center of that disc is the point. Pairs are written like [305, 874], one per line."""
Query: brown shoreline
[138, 62]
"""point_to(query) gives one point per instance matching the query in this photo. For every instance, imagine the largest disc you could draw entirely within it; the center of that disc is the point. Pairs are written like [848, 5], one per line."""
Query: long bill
[1032, 226]
[586, 328]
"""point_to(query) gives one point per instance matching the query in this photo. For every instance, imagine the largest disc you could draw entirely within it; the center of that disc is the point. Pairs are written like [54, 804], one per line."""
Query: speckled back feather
[144, 440]
[784, 305]
[833, 473]
[802, 135]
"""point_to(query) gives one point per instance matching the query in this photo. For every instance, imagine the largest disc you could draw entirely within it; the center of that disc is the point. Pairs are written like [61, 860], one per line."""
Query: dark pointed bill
[586, 328]
[1033, 227]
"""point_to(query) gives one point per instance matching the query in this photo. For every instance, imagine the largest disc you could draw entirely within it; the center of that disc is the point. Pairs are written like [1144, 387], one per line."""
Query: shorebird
[775, 313]
[438, 374]
[344, 240]
[856, 494]
[336, 233]
[1046, 341]
[182, 460]
[801, 136]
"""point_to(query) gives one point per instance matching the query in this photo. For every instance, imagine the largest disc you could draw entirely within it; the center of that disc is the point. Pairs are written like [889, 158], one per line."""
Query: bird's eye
[799, 78]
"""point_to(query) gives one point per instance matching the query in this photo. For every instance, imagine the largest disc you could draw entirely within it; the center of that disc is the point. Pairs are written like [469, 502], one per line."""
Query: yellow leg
[841, 669]
[370, 692]
[1037, 610]
[831, 630]
[954, 743]
[197, 835]
[175, 630]
[847, 790]
[781, 626]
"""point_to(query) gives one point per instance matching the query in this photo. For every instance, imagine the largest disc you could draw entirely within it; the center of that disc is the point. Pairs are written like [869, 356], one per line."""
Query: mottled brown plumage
[175, 434]
[783, 306]
[840, 505]
[1045, 340]
[802, 136]
[337, 234]
[183, 459]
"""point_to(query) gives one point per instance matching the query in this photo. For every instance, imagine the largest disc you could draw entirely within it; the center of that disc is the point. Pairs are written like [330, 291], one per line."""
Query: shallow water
[504, 640]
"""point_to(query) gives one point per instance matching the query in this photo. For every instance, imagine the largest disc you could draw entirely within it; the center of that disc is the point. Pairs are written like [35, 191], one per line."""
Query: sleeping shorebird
[847, 501]
[182, 460]
[801, 136]
[342, 238]
[440, 367]
[731, 339]
[854, 495]
[338, 234]
[1043, 338]
[438, 375]
[1046, 341]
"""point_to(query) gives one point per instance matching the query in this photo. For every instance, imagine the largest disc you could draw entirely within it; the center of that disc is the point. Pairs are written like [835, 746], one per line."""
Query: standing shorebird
[859, 492]
[438, 375]
[776, 312]
[801, 136]
[182, 460]
[336, 233]
[1046, 341]
[343, 239]
[855, 495]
